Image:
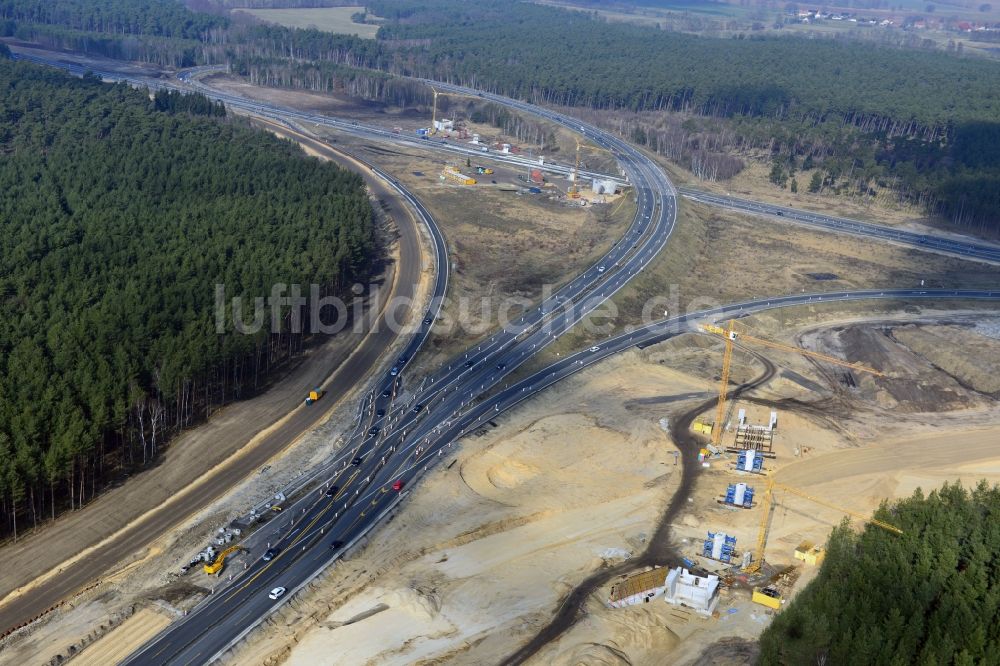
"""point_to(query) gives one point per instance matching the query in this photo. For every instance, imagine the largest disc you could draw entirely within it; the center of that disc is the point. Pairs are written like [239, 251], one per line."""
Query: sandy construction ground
[488, 545]
[130, 635]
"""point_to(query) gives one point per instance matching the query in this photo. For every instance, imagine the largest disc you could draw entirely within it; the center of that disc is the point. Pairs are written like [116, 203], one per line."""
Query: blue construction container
[739, 494]
[719, 546]
[749, 461]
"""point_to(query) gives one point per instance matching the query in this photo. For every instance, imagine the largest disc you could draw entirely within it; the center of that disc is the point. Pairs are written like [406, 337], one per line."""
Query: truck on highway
[314, 395]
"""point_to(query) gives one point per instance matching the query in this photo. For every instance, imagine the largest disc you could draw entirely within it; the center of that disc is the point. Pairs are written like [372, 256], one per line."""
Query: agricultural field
[328, 19]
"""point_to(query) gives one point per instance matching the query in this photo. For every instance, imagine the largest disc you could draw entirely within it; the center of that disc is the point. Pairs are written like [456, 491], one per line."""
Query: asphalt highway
[929, 242]
[386, 453]
[392, 449]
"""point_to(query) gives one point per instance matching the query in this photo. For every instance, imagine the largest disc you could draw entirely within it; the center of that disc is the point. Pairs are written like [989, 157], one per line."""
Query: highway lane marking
[189, 663]
[302, 532]
[323, 512]
[285, 551]
[344, 487]
[312, 523]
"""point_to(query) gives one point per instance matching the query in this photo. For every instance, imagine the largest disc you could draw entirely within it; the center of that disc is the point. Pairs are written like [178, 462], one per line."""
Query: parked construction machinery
[314, 395]
[215, 567]
[454, 174]
[731, 334]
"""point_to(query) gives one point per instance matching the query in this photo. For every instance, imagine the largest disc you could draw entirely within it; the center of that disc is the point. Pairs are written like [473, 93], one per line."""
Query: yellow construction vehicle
[220, 560]
[767, 506]
[458, 176]
[702, 427]
[767, 596]
[731, 335]
[314, 395]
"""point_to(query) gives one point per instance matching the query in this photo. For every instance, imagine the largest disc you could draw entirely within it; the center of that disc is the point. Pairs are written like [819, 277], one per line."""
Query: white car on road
[276, 593]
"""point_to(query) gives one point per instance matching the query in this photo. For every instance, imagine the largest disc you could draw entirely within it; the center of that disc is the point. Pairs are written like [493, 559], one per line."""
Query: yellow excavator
[220, 560]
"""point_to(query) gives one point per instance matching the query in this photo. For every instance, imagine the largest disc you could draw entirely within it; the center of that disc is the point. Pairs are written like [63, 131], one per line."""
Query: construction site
[561, 169]
[680, 495]
[687, 568]
[744, 449]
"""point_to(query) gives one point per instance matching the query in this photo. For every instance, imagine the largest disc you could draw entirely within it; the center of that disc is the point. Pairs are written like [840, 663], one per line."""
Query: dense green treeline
[163, 32]
[116, 222]
[329, 76]
[568, 58]
[174, 101]
[930, 596]
[875, 120]
[159, 18]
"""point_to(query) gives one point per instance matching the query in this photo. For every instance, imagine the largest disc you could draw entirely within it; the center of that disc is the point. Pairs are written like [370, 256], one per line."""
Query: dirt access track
[203, 463]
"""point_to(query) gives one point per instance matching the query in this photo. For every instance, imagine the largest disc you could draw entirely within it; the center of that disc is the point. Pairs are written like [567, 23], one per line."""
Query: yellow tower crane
[574, 189]
[731, 335]
[767, 506]
[434, 111]
[434, 106]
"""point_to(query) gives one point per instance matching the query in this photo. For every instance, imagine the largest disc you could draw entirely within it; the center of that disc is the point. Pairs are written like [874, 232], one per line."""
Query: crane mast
[767, 506]
[730, 334]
